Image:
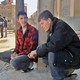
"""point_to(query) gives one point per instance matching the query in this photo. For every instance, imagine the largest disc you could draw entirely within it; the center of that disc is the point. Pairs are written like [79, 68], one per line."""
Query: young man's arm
[17, 44]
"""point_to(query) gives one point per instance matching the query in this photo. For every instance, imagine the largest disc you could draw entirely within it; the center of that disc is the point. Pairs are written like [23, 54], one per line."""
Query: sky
[31, 6]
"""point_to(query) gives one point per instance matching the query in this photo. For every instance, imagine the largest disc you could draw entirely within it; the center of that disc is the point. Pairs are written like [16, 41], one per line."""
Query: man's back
[67, 37]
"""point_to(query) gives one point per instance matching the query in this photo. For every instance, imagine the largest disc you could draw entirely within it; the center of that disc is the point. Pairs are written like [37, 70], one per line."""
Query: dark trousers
[21, 62]
[1, 31]
[5, 30]
[58, 73]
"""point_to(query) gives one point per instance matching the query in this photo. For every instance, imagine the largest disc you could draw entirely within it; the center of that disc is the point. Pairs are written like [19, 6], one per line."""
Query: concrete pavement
[8, 73]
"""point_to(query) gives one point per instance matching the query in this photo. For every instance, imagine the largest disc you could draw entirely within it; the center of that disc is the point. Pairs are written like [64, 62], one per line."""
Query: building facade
[67, 8]
[8, 10]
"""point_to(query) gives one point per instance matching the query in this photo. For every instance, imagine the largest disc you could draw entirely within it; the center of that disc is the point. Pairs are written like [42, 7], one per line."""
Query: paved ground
[8, 73]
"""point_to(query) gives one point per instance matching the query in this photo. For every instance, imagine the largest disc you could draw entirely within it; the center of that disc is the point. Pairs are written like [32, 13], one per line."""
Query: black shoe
[71, 77]
[28, 70]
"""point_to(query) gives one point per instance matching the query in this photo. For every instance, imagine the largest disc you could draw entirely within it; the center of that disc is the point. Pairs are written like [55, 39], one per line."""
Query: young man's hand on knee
[14, 55]
[32, 55]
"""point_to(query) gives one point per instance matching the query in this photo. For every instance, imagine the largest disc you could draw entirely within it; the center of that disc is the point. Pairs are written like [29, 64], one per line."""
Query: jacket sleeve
[58, 41]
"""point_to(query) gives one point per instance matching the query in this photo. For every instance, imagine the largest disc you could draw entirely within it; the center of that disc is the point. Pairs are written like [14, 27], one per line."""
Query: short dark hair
[45, 15]
[21, 13]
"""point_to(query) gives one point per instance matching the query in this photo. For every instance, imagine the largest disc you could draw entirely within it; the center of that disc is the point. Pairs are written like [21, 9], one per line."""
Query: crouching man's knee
[51, 58]
[14, 64]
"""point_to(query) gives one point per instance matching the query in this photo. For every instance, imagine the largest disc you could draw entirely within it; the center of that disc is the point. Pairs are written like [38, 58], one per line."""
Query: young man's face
[22, 19]
[45, 24]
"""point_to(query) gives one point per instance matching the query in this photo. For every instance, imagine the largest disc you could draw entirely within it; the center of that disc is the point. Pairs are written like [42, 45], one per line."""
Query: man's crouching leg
[14, 63]
[56, 72]
[21, 62]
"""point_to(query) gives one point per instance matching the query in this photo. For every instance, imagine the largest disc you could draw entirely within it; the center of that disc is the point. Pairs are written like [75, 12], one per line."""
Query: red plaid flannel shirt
[27, 42]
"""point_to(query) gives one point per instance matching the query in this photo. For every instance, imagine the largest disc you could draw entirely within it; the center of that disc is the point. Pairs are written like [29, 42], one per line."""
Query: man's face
[22, 19]
[45, 24]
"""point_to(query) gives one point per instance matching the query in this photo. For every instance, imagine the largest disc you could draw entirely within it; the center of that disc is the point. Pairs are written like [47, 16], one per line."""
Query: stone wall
[65, 11]
[74, 22]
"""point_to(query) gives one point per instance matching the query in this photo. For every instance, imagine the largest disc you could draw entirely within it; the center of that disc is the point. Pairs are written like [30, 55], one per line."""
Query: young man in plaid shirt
[26, 41]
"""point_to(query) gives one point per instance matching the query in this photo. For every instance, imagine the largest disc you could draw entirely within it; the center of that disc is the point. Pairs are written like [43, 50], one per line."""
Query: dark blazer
[61, 37]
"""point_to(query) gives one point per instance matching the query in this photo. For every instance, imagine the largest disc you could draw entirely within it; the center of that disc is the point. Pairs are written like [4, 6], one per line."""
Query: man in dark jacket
[62, 46]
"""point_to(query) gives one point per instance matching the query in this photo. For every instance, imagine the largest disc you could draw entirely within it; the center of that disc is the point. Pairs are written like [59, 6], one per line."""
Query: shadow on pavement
[5, 56]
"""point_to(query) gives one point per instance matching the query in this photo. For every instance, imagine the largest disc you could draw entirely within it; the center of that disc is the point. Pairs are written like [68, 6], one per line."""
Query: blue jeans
[58, 73]
[21, 62]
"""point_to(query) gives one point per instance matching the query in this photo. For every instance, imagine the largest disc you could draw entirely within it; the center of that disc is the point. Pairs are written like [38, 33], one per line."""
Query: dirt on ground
[8, 42]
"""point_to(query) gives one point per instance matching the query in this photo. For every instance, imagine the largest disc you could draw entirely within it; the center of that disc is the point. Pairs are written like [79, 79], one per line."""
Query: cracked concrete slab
[8, 73]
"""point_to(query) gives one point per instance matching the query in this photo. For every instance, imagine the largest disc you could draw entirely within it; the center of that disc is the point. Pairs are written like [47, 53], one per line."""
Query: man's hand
[14, 55]
[32, 55]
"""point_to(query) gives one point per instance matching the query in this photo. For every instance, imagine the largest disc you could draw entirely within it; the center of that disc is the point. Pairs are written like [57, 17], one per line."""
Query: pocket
[64, 59]
[68, 61]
